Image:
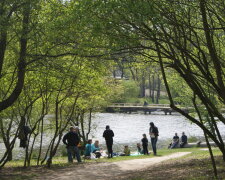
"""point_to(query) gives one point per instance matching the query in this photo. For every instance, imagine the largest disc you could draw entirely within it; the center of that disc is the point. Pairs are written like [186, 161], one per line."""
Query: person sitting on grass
[175, 142]
[126, 151]
[144, 141]
[96, 149]
[88, 149]
[183, 140]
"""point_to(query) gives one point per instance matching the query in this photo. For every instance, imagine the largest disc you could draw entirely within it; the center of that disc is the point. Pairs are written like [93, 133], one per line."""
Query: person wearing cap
[71, 140]
[108, 135]
[154, 133]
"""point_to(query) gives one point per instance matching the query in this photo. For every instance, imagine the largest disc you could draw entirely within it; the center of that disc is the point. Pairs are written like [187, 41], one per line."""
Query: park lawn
[196, 165]
[62, 160]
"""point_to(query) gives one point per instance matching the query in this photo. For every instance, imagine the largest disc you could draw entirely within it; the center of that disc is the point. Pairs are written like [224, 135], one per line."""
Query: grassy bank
[62, 160]
[195, 165]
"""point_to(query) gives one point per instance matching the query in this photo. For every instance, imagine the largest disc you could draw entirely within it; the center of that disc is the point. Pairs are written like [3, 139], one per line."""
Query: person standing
[108, 135]
[144, 141]
[154, 133]
[71, 140]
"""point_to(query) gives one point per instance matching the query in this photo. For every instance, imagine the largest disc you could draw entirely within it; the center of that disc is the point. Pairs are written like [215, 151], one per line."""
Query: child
[145, 144]
[139, 148]
[126, 151]
[88, 149]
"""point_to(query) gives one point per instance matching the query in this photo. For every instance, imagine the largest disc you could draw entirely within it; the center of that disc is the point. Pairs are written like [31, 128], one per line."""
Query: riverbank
[166, 164]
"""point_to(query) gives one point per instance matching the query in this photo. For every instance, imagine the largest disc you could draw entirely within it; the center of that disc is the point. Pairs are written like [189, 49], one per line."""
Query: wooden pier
[135, 107]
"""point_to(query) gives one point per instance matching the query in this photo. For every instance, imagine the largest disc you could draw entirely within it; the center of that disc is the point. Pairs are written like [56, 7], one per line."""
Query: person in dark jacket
[144, 141]
[71, 140]
[183, 140]
[154, 133]
[23, 133]
[108, 135]
[175, 141]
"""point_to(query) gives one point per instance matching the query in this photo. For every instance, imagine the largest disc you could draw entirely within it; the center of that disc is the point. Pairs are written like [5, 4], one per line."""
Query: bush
[192, 139]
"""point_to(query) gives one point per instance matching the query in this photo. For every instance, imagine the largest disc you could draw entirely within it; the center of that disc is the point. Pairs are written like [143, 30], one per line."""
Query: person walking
[108, 135]
[154, 133]
[71, 140]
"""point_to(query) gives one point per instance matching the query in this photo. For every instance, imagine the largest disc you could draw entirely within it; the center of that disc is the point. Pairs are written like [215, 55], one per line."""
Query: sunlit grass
[197, 155]
[62, 161]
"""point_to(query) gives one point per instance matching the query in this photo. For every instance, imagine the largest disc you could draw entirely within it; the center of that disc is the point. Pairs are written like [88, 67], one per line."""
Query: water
[128, 128]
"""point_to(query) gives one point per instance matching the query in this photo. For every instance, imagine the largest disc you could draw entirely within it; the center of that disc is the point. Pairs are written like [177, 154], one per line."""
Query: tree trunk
[142, 86]
[153, 88]
[149, 84]
[4, 104]
[158, 91]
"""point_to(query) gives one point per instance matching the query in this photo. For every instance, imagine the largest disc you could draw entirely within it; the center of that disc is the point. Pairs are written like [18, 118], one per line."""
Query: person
[96, 149]
[95, 146]
[108, 135]
[139, 148]
[145, 103]
[126, 151]
[154, 133]
[71, 140]
[24, 131]
[175, 141]
[144, 141]
[183, 140]
[76, 129]
[88, 148]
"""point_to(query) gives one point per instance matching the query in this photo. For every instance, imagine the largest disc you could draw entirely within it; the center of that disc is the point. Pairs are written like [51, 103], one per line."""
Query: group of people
[92, 149]
[177, 142]
[72, 140]
[153, 132]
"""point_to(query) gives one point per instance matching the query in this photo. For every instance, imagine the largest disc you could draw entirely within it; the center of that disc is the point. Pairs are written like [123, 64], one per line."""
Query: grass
[62, 160]
[197, 165]
[194, 166]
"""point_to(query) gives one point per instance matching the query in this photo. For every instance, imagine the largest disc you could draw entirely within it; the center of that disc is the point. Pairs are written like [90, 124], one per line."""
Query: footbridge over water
[135, 107]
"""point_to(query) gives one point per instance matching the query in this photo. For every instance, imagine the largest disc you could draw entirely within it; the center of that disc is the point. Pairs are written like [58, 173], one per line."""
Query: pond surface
[128, 128]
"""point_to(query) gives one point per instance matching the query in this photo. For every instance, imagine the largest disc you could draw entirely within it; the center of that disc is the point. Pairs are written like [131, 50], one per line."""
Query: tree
[185, 37]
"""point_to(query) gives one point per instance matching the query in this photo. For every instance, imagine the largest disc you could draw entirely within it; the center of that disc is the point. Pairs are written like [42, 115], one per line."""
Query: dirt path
[106, 171]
